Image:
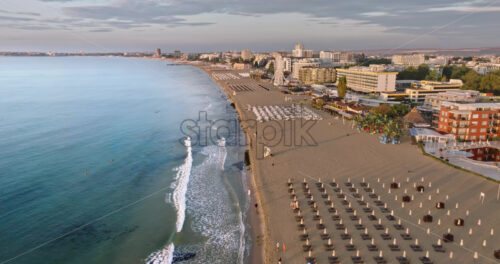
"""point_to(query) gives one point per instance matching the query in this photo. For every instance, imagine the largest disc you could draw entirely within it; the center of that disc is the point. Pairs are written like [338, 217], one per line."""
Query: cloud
[376, 14]
[388, 18]
[13, 18]
[476, 6]
[19, 13]
[101, 30]
[465, 9]
[173, 13]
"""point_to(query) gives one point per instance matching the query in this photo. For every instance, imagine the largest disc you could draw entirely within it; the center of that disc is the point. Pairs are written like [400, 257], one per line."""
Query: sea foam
[164, 256]
[179, 195]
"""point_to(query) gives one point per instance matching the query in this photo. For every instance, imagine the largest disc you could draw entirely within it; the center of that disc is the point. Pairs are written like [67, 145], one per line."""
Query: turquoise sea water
[92, 156]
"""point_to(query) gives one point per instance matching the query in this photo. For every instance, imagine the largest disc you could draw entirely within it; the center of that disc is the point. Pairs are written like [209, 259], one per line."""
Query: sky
[259, 25]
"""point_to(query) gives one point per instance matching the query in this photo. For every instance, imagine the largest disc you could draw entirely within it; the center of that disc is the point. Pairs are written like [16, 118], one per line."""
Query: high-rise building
[158, 52]
[408, 60]
[318, 75]
[474, 122]
[366, 81]
[307, 53]
[298, 52]
[246, 54]
[279, 65]
[288, 64]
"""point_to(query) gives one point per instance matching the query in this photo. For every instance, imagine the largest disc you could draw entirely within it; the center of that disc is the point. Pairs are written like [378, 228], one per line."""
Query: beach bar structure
[429, 135]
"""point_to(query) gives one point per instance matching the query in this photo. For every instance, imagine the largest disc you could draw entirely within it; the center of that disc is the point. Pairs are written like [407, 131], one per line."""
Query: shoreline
[254, 219]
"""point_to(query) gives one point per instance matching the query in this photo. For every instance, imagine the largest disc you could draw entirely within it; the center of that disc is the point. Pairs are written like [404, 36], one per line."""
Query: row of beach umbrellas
[291, 112]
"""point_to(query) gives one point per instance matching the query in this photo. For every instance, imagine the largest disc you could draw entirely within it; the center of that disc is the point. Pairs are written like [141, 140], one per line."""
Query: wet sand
[341, 153]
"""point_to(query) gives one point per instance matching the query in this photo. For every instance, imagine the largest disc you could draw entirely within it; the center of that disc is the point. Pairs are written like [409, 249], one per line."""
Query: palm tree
[393, 129]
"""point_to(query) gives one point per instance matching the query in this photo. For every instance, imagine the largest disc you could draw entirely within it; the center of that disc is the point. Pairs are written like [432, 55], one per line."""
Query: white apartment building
[485, 68]
[408, 60]
[297, 65]
[433, 101]
[298, 52]
[361, 79]
[210, 56]
[288, 64]
[439, 60]
[336, 56]
[329, 56]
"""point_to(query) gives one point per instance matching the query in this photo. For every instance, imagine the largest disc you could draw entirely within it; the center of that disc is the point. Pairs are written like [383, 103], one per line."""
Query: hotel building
[318, 75]
[471, 122]
[368, 81]
[426, 88]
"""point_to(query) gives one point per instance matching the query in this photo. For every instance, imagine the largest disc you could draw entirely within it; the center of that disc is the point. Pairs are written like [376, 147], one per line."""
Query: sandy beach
[356, 161]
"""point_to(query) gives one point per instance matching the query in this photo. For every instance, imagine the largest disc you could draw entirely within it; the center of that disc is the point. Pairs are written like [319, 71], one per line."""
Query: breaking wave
[179, 195]
[164, 256]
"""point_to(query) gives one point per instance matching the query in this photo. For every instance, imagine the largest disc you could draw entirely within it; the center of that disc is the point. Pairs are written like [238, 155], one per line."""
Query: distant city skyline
[258, 25]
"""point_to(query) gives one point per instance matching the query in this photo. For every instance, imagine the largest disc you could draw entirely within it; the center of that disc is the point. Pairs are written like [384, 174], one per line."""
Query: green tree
[270, 70]
[423, 70]
[447, 71]
[412, 73]
[382, 109]
[433, 76]
[399, 110]
[409, 73]
[368, 61]
[472, 80]
[342, 87]
[459, 72]
[491, 82]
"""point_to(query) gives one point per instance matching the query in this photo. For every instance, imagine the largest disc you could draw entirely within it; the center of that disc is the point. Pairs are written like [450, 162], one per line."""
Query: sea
[118, 160]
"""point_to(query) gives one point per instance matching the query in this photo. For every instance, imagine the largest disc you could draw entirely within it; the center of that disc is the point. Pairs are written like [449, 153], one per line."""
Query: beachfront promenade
[363, 170]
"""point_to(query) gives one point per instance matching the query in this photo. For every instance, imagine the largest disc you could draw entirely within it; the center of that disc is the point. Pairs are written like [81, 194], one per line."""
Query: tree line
[472, 80]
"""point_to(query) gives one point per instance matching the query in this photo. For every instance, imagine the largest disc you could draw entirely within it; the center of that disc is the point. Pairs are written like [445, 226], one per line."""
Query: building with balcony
[299, 64]
[367, 81]
[470, 122]
[318, 75]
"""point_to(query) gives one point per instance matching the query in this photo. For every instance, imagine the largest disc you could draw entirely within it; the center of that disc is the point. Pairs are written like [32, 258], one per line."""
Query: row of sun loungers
[225, 76]
[290, 112]
[241, 88]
